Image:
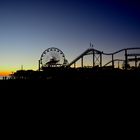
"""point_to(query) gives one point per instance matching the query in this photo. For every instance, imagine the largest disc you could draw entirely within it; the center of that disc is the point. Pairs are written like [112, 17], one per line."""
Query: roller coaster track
[94, 52]
[125, 49]
[86, 52]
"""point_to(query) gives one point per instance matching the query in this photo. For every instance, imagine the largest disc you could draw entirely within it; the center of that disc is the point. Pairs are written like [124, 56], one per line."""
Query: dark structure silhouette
[52, 57]
[98, 57]
[54, 66]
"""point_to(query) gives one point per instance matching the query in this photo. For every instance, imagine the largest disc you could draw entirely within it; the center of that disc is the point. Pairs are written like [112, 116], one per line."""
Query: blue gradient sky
[28, 27]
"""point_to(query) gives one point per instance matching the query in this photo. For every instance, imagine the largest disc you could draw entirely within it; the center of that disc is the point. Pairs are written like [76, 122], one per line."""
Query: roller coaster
[126, 56]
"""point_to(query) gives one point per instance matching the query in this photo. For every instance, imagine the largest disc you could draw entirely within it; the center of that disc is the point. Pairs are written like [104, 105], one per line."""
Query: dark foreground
[93, 95]
[78, 74]
[70, 78]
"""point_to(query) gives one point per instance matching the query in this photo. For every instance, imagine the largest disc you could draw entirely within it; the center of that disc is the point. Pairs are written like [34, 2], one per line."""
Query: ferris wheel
[52, 57]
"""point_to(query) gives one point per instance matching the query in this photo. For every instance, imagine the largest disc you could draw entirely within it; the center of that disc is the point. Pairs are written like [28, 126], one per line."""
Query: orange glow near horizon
[5, 73]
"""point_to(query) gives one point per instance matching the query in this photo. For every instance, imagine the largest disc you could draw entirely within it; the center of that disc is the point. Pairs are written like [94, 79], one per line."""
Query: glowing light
[5, 73]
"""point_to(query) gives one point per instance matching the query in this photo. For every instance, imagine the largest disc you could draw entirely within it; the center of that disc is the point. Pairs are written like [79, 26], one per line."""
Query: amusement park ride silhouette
[54, 65]
[53, 57]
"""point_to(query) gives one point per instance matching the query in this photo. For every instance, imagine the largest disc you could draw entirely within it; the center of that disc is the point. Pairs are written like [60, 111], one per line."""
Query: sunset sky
[28, 27]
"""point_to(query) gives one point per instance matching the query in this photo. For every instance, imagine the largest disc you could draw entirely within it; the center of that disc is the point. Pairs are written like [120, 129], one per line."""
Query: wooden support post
[93, 58]
[136, 61]
[113, 60]
[126, 60]
[100, 59]
[82, 62]
[74, 65]
[39, 65]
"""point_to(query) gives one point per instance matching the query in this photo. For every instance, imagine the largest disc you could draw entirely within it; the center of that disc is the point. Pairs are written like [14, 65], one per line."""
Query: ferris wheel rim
[49, 50]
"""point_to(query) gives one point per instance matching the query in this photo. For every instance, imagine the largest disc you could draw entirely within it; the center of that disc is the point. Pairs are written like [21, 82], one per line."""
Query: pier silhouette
[53, 66]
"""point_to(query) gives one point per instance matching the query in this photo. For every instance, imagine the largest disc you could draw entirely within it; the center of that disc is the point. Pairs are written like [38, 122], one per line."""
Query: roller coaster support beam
[74, 64]
[126, 59]
[93, 58]
[113, 60]
[100, 59]
[39, 65]
[136, 61]
[82, 62]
